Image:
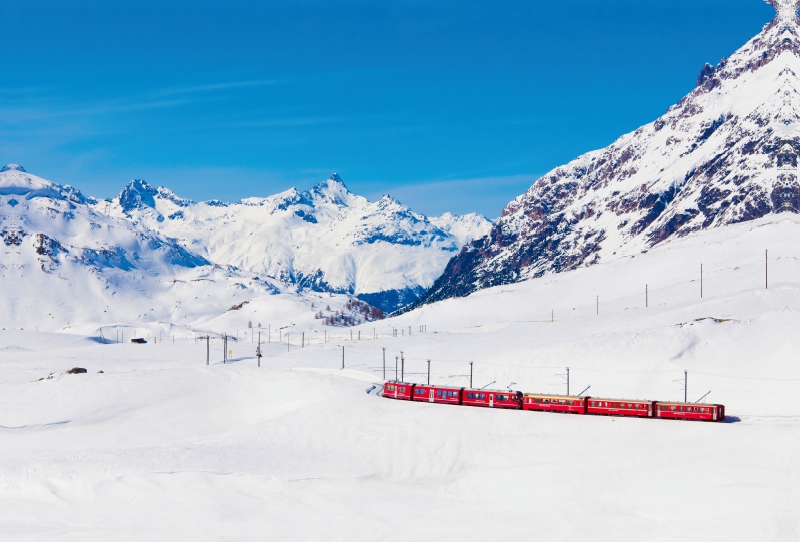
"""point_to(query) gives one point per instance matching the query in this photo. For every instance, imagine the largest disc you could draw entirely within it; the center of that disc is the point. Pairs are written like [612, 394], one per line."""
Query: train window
[594, 403]
[537, 400]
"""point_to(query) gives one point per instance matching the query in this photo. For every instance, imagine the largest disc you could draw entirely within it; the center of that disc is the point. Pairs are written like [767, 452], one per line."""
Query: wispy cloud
[219, 86]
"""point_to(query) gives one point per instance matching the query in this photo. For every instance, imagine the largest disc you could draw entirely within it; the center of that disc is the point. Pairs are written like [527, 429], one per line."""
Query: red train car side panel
[492, 398]
[554, 403]
[690, 411]
[437, 394]
[619, 407]
[398, 390]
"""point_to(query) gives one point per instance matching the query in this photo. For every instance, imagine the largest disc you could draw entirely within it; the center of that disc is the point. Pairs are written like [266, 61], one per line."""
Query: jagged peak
[137, 194]
[332, 190]
[386, 199]
[786, 9]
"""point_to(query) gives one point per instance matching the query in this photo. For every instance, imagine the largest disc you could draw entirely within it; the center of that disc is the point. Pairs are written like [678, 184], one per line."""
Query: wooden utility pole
[701, 281]
[429, 372]
[208, 349]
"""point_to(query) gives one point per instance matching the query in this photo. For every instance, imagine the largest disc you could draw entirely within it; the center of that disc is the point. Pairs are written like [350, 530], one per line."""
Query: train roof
[554, 396]
[681, 403]
[492, 391]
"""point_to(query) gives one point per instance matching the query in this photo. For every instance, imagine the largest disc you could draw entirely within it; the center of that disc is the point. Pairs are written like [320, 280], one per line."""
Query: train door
[395, 392]
[491, 400]
[430, 396]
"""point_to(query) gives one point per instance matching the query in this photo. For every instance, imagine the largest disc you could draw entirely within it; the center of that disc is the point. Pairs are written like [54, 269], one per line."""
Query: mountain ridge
[323, 239]
[725, 153]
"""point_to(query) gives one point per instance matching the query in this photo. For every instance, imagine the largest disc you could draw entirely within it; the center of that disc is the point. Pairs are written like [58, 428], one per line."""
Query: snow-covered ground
[162, 447]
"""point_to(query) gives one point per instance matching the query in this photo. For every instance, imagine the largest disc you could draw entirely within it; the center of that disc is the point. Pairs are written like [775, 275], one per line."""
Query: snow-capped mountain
[323, 239]
[726, 153]
[67, 266]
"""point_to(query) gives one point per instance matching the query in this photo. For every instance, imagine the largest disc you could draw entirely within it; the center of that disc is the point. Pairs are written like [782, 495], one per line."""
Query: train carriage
[620, 407]
[398, 390]
[690, 411]
[492, 398]
[555, 403]
[437, 394]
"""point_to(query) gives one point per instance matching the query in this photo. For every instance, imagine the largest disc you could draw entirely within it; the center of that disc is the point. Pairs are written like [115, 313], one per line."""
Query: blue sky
[448, 105]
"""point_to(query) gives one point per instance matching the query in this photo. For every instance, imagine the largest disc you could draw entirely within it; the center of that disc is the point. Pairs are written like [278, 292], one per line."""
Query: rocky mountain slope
[322, 239]
[726, 153]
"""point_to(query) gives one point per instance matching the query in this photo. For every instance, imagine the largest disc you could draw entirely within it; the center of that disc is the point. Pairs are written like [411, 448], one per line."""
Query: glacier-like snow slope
[324, 239]
[726, 153]
[65, 266]
[162, 447]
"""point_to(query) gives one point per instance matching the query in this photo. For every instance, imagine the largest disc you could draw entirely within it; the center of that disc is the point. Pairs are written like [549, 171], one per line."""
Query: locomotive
[517, 400]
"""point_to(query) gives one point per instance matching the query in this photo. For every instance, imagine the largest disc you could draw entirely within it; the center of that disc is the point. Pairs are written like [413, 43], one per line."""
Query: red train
[517, 400]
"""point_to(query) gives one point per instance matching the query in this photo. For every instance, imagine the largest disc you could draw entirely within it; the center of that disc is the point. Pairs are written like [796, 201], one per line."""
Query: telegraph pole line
[342, 347]
[429, 372]
[396, 358]
[470, 374]
[701, 281]
[208, 350]
[402, 367]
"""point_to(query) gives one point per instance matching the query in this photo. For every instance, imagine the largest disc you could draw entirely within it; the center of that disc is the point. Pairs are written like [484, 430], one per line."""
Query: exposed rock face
[726, 153]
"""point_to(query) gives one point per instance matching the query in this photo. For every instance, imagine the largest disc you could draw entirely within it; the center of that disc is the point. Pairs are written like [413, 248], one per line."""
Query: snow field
[162, 447]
